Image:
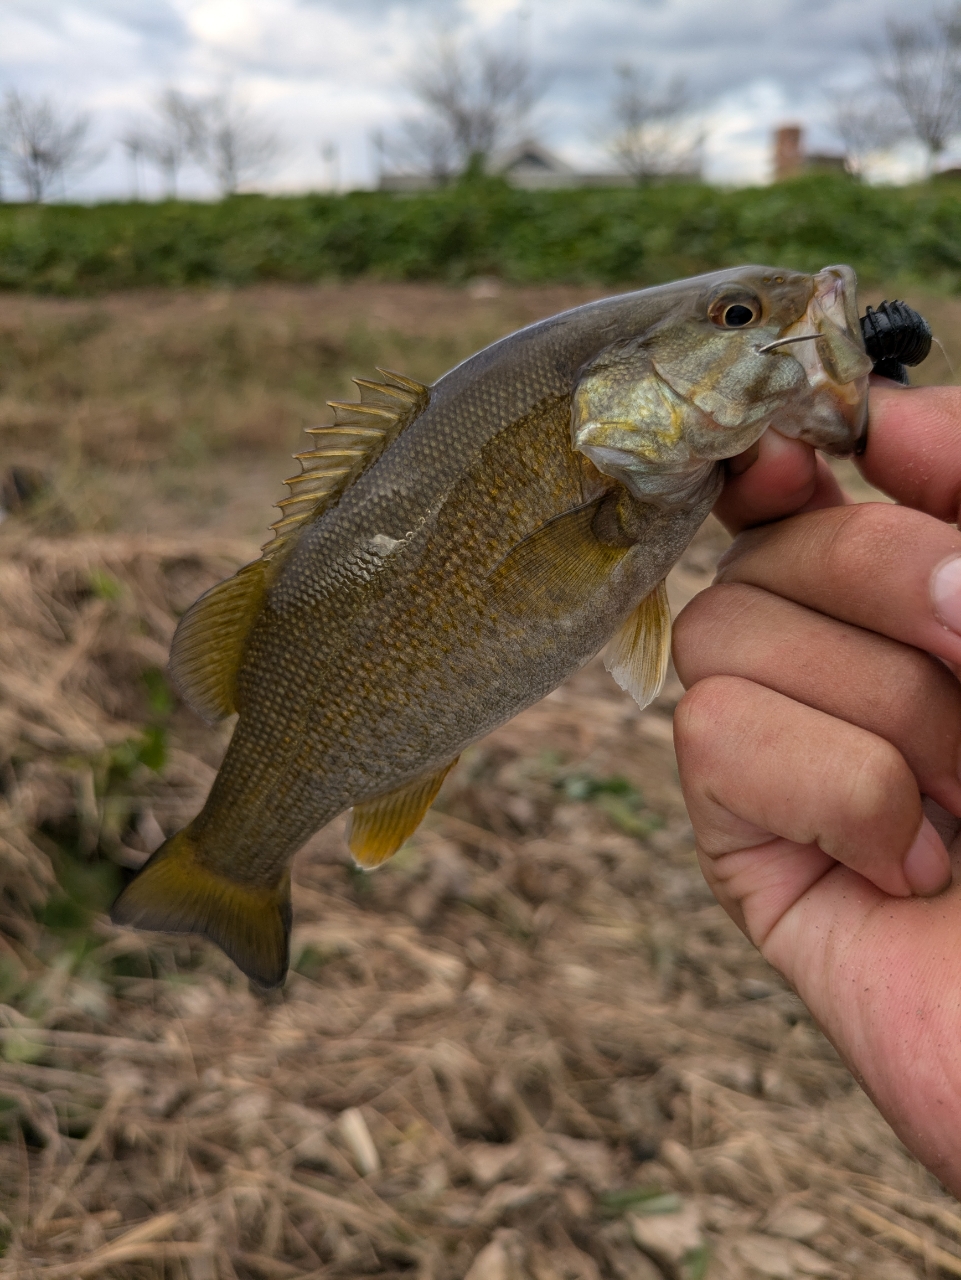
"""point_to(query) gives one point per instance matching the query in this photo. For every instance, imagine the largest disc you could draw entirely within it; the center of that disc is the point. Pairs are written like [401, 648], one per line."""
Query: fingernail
[927, 868]
[946, 593]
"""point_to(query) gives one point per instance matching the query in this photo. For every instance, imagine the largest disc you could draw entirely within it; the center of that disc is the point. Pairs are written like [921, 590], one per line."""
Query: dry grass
[528, 1043]
[529, 1048]
[154, 410]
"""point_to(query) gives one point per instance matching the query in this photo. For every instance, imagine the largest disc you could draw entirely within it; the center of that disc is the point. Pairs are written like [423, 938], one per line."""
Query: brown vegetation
[155, 410]
[531, 1047]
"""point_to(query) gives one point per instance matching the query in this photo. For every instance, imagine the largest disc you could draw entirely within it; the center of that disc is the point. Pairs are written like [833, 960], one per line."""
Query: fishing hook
[782, 342]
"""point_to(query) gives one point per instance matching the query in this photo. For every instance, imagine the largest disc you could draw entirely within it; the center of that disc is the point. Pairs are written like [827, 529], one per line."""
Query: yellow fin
[209, 641]
[379, 827]
[637, 656]
[175, 893]
[556, 568]
[343, 451]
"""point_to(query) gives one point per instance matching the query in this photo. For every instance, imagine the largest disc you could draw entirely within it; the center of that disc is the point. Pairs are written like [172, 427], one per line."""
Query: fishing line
[947, 358]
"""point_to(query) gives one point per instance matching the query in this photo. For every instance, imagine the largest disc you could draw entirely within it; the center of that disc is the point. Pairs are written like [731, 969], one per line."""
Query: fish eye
[735, 312]
[738, 315]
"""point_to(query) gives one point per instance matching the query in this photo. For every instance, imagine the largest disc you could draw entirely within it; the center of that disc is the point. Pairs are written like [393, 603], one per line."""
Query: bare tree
[330, 154]
[865, 126]
[919, 66]
[474, 99]
[427, 146]
[655, 135]
[233, 143]
[170, 139]
[41, 144]
[133, 144]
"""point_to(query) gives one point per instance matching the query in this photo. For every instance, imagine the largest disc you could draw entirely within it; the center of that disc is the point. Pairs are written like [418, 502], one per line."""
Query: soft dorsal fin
[359, 434]
[209, 641]
[379, 827]
[637, 656]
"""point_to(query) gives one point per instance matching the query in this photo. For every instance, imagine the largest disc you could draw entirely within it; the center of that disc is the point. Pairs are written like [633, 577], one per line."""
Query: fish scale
[327, 733]
[449, 555]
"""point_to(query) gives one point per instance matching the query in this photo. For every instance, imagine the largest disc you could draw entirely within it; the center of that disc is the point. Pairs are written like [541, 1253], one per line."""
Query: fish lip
[835, 291]
[834, 360]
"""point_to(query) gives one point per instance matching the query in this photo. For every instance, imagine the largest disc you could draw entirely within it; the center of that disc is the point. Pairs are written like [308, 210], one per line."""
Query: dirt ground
[530, 1047]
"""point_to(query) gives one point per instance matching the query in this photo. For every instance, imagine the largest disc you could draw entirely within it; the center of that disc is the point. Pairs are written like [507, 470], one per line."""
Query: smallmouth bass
[448, 555]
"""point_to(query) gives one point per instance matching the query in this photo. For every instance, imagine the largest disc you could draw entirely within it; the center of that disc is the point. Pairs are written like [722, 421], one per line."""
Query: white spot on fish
[382, 545]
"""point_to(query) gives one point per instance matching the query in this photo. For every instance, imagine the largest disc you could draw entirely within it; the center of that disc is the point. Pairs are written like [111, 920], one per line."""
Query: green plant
[646, 1199]
[482, 227]
[614, 796]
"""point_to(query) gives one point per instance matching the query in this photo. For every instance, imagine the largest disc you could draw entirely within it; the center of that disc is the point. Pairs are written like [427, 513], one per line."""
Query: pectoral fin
[208, 643]
[637, 656]
[379, 827]
[174, 892]
[556, 568]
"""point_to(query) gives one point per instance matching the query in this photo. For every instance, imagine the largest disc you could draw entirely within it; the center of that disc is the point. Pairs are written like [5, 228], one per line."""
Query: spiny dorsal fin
[359, 434]
[379, 827]
[209, 641]
[637, 656]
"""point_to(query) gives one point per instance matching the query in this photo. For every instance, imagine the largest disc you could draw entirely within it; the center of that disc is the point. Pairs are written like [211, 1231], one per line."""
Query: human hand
[821, 709]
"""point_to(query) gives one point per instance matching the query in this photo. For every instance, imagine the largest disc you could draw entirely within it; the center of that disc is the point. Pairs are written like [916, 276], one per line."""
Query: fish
[450, 554]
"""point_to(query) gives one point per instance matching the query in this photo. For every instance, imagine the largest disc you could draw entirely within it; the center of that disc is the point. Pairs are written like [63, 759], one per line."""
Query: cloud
[333, 70]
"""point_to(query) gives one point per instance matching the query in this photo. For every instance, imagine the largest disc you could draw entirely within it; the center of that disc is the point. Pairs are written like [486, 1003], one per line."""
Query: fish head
[731, 355]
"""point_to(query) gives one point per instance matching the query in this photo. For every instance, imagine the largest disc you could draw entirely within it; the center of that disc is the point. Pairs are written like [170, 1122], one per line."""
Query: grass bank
[487, 228]
[154, 411]
[557, 1048]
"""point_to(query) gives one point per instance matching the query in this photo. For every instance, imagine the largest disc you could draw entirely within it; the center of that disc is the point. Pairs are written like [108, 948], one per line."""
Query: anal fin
[637, 655]
[379, 827]
[558, 567]
[174, 892]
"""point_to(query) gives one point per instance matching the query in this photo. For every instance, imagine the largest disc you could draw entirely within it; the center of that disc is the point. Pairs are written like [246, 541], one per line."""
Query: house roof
[528, 156]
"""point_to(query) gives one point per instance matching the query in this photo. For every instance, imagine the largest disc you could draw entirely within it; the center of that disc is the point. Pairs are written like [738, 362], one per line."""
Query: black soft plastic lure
[895, 336]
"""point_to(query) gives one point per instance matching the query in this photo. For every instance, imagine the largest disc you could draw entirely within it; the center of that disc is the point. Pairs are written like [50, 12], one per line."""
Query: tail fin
[175, 893]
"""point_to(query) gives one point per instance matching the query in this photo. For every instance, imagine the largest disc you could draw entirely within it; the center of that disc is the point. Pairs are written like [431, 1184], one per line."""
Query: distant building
[528, 165]
[531, 166]
[790, 159]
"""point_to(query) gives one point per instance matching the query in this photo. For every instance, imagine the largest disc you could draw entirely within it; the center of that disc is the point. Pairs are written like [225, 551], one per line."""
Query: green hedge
[487, 228]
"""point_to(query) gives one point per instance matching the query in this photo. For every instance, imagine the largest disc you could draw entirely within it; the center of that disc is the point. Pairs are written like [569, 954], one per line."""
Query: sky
[325, 75]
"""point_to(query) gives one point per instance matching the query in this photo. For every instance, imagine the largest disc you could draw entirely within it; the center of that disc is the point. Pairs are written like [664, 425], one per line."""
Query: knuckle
[692, 630]
[703, 711]
[703, 620]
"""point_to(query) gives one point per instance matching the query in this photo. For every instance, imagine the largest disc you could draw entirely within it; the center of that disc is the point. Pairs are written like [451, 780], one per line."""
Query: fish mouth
[827, 343]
